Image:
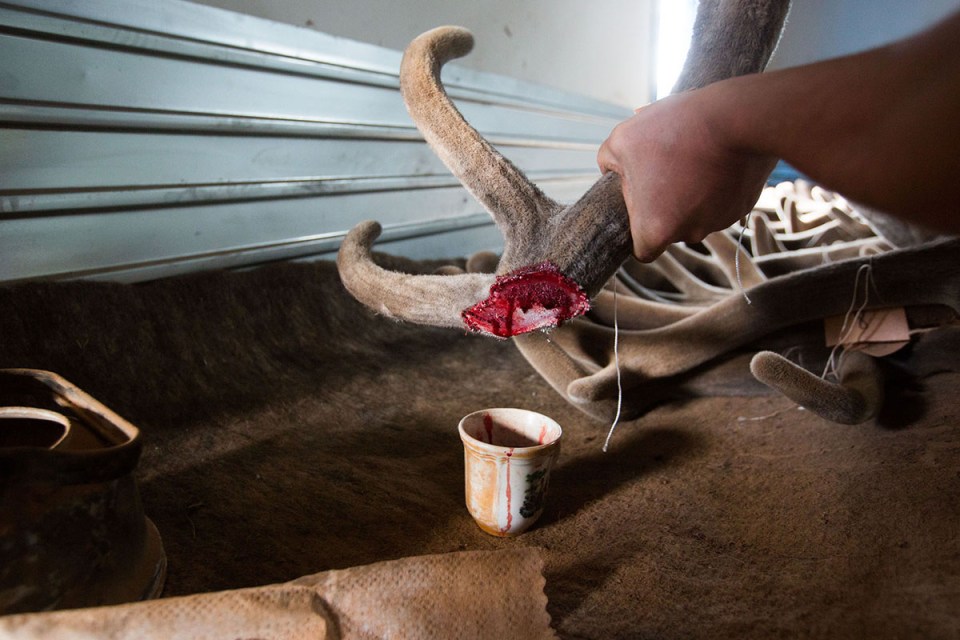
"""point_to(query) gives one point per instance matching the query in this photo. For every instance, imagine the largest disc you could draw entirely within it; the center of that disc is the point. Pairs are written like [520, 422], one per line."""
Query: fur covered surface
[287, 430]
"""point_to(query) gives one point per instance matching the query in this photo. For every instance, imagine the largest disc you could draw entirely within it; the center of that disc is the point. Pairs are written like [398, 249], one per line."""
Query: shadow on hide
[181, 351]
[631, 456]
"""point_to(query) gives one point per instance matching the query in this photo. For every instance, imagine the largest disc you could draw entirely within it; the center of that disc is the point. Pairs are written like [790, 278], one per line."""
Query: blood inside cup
[511, 428]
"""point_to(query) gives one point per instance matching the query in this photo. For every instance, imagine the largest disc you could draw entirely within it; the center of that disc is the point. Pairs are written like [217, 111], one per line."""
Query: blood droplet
[509, 496]
[530, 298]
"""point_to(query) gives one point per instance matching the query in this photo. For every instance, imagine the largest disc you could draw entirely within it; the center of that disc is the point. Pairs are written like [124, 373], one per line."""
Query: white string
[736, 256]
[616, 358]
[769, 415]
[847, 327]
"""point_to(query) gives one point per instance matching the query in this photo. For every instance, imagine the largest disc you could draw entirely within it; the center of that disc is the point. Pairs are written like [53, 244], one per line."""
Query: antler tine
[424, 299]
[633, 313]
[731, 38]
[501, 187]
[703, 266]
[855, 399]
[763, 241]
[728, 324]
[725, 250]
[694, 290]
[559, 369]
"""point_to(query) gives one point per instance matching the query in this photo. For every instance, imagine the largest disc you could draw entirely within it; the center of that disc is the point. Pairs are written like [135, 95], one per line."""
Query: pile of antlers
[682, 311]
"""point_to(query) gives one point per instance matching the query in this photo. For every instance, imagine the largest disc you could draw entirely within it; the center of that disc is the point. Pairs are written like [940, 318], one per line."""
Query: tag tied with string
[877, 332]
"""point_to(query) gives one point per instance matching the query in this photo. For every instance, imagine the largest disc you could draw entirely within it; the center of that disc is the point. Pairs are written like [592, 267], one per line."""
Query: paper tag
[878, 332]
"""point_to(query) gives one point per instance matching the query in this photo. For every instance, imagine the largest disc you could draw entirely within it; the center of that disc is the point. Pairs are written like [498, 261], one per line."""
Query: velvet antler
[677, 313]
[555, 257]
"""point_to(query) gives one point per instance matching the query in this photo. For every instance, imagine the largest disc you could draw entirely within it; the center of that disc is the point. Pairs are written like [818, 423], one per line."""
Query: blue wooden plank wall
[145, 138]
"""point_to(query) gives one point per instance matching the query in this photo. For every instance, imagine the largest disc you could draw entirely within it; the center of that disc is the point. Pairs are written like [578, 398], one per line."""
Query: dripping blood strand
[509, 497]
[530, 298]
[488, 426]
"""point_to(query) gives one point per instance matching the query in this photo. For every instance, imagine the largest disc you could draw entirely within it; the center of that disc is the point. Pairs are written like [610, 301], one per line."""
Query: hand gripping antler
[554, 257]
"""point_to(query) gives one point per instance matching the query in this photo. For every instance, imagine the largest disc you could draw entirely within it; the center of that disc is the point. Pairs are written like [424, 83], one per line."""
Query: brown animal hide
[288, 430]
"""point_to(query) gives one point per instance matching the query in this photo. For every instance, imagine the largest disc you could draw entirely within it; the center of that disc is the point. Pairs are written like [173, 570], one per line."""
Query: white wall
[820, 29]
[146, 139]
[600, 49]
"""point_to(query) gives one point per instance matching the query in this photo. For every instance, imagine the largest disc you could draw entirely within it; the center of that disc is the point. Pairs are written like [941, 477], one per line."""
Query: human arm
[882, 127]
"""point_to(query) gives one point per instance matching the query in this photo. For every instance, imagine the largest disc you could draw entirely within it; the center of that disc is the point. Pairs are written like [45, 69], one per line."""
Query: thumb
[606, 160]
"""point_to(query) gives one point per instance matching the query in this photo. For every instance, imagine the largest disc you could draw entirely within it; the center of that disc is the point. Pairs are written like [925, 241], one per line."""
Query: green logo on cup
[533, 497]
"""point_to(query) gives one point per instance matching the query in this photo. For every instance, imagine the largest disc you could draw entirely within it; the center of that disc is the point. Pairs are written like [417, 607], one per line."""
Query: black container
[72, 529]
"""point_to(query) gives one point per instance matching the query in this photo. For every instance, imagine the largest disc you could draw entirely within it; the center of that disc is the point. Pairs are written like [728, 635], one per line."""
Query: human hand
[682, 176]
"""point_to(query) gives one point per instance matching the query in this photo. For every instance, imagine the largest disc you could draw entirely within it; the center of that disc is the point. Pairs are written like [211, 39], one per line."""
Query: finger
[643, 249]
[606, 160]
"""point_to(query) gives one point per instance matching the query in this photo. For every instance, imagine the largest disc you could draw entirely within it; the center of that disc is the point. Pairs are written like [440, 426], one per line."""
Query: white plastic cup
[508, 455]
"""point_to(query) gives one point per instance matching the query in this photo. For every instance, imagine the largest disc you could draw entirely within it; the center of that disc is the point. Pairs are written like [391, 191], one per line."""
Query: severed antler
[682, 311]
[555, 257]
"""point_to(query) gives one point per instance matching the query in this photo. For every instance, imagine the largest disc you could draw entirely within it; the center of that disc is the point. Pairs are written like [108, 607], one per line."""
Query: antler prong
[423, 299]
